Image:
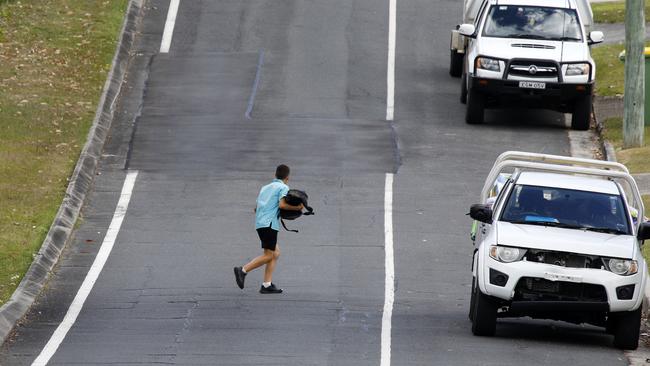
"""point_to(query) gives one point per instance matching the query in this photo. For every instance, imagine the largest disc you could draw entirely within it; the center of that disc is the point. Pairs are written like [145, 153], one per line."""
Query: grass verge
[613, 12]
[610, 71]
[637, 159]
[55, 55]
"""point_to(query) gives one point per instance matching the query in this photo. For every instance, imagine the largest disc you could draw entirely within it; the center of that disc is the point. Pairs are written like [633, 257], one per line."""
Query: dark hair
[282, 172]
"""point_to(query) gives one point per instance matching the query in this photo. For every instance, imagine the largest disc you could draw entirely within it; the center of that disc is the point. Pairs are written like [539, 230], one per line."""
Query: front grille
[540, 289]
[531, 45]
[563, 259]
[533, 69]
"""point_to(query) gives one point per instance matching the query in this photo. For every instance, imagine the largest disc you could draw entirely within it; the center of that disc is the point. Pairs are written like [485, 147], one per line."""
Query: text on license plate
[562, 277]
[532, 85]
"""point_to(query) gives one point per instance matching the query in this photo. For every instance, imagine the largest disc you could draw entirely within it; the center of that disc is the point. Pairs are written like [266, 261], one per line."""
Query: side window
[479, 15]
[501, 194]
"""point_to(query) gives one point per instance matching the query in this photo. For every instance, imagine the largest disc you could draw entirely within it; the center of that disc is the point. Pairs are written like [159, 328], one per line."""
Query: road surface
[247, 85]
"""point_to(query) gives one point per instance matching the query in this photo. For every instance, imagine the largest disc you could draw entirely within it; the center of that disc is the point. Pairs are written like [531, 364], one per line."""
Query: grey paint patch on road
[256, 83]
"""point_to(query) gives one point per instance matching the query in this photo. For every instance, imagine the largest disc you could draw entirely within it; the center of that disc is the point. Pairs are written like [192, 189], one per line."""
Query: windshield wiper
[568, 39]
[547, 223]
[525, 36]
[606, 230]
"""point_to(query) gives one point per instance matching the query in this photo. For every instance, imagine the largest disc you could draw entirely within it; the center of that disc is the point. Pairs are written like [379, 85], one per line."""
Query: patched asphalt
[167, 294]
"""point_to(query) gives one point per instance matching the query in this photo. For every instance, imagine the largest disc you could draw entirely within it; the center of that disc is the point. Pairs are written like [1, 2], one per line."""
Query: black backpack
[295, 197]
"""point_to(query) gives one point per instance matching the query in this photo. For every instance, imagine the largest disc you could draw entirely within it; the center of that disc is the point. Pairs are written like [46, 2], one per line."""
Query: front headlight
[487, 63]
[506, 254]
[577, 69]
[623, 267]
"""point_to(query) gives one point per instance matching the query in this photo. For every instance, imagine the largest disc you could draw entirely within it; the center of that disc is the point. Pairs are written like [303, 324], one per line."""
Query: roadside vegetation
[638, 159]
[610, 71]
[55, 55]
[613, 12]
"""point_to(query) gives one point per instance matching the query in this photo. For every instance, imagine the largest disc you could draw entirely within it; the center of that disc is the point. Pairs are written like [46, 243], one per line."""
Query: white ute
[559, 238]
[531, 53]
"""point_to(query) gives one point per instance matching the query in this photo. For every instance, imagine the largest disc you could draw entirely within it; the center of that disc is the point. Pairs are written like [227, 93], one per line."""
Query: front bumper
[590, 277]
[555, 94]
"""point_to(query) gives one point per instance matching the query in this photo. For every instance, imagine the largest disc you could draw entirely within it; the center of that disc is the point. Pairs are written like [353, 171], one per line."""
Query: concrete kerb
[80, 182]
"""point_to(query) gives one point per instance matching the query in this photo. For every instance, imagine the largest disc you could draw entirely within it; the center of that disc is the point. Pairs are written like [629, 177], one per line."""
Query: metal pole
[634, 74]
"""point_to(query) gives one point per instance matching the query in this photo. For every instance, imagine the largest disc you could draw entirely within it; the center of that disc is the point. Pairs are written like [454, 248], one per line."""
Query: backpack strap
[285, 226]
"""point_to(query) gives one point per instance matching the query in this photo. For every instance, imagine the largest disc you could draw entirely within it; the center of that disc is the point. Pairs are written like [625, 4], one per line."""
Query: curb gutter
[80, 183]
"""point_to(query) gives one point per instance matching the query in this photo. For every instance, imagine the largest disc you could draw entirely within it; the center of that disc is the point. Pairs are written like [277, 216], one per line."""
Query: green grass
[55, 55]
[613, 12]
[610, 71]
[636, 159]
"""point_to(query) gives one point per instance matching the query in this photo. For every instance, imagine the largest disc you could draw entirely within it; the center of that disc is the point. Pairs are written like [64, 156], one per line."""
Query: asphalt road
[167, 294]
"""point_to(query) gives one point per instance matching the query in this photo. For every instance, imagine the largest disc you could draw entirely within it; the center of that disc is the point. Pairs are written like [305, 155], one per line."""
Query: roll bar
[558, 159]
[564, 165]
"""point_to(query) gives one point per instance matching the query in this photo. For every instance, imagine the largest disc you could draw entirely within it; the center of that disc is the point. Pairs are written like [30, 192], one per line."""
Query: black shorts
[268, 237]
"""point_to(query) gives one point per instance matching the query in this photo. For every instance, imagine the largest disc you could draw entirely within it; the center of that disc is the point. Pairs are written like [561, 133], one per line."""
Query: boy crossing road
[267, 223]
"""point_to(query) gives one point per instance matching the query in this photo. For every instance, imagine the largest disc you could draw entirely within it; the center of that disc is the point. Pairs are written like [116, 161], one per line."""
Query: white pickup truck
[559, 238]
[532, 53]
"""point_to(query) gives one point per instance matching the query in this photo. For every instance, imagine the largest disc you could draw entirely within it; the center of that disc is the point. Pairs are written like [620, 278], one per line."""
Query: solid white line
[169, 26]
[390, 73]
[104, 251]
[389, 282]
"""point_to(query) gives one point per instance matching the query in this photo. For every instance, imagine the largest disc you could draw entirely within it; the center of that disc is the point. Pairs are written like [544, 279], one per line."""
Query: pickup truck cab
[559, 238]
[533, 53]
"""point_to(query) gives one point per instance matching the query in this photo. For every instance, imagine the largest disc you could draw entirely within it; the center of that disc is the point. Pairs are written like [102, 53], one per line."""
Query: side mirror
[596, 37]
[467, 30]
[482, 213]
[644, 231]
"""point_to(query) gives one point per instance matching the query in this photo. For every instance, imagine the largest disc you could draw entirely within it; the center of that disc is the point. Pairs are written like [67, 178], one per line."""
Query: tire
[581, 116]
[475, 108]
[463, 89]
[484, 321]
[455, 63]
[472, 300]
[626, 327]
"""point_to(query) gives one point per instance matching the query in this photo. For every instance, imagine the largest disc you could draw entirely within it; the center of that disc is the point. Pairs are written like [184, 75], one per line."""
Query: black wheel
[484, 322]
[463, 89]
[626, 327]
[472, 299]
[455, 63]
[581, 114]
[475, 108]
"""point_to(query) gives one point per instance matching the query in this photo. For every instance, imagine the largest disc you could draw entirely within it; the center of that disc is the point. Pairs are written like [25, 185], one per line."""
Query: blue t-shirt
[268, 205]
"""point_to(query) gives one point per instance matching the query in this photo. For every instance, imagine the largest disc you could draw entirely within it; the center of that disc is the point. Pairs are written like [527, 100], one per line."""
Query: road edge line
[170, 23]
[389, 281]
[390, 69]
[80, 182]
[95, 270]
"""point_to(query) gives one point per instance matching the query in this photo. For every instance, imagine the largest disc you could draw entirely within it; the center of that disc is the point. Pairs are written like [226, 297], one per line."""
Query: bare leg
[259, 261]
[270, 266]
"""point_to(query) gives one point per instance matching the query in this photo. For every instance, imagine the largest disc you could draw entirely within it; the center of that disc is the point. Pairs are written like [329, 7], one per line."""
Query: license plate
[561, 277]
[532, 85]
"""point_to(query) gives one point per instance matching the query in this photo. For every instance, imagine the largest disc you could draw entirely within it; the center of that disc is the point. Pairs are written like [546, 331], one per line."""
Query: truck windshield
[566, 208]
[533, 22]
